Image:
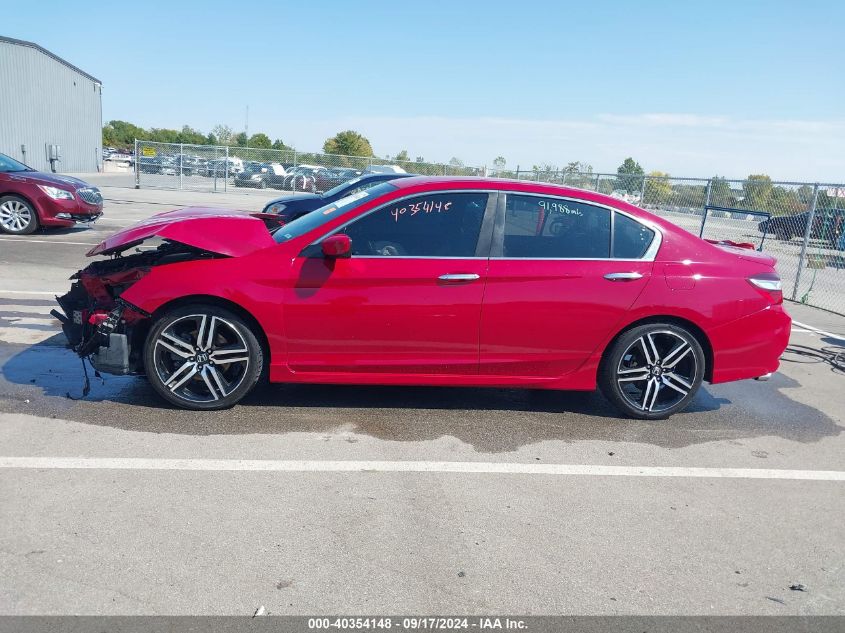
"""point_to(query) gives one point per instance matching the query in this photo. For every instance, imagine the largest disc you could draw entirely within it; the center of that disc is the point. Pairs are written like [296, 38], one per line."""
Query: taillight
[770, 283]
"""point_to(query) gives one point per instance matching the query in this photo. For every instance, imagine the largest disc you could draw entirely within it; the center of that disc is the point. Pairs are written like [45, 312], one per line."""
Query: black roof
[384, 175]
[12, 40]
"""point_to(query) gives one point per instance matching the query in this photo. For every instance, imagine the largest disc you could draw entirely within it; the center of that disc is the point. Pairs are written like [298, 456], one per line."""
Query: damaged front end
[106, 329]
[102, 327]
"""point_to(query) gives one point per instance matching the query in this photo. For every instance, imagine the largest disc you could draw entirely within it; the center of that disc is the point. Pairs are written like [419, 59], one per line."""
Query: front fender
[226, 280]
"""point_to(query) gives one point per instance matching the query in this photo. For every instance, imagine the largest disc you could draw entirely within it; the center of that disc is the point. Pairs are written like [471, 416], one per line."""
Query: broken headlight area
[101, 330]
[101, 326]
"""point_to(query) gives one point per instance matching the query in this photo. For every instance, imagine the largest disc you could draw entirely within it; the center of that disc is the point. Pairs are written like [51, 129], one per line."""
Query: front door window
[433, 225]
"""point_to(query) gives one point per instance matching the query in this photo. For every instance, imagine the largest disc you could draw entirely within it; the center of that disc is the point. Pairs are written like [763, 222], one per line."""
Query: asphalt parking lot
[322, 499]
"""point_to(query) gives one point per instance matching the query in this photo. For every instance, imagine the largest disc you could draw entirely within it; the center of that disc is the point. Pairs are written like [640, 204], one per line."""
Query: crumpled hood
[220, 231]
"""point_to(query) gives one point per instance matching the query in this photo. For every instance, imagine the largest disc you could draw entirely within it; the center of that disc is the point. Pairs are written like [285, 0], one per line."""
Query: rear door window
[630, 238]
[554, 228]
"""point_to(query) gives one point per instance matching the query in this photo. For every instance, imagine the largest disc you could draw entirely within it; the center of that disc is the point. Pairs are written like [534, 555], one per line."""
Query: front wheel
[652, 371]
[17, 216]
[202, 357]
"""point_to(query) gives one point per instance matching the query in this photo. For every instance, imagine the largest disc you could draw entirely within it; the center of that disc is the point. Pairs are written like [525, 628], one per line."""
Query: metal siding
[43, 102]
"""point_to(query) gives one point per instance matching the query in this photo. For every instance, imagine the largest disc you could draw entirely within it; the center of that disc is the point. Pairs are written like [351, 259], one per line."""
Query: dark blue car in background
[291, 207]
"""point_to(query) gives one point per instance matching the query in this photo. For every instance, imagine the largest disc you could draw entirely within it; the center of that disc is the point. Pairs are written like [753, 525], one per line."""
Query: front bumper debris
[113, 357]
[101, 338]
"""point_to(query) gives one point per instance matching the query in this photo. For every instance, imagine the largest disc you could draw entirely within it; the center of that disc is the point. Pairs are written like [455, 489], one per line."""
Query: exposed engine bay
[102, 327]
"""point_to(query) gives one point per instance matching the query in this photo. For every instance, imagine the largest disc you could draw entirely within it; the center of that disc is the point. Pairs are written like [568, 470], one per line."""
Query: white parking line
[297, 466]
[27, 324]
[51, 293]
[25, 239]
[39, 310]
[838, 337]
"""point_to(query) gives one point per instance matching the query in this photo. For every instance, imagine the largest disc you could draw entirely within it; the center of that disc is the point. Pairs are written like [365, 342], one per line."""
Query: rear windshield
[328, 212]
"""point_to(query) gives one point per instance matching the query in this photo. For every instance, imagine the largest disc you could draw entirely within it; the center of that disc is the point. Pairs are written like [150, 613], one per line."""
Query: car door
[562, 274]
[407, 300]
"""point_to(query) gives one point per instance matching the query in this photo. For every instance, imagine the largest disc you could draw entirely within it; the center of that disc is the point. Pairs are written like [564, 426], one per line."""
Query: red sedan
[30, 199]
[432, 281]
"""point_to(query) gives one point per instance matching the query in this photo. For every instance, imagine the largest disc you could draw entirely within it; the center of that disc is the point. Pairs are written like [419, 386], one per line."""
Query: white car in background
[384, 169]
[218, 167]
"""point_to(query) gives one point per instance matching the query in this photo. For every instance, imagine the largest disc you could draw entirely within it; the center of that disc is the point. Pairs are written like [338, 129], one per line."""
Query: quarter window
[543, 227]
[630, 238]
[433, 225]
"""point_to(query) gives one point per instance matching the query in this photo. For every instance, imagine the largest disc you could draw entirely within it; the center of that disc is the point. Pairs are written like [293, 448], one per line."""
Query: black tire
[652, 383]
[17, 216]
[202, 373]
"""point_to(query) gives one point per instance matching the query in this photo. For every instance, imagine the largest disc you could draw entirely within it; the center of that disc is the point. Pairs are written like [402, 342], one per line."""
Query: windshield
[328, 212]
[342, 187]
[10, 164]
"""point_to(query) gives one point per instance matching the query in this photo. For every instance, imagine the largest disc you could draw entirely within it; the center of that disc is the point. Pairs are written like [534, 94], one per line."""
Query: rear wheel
[652, 371]
[17, 216]
[202, 357]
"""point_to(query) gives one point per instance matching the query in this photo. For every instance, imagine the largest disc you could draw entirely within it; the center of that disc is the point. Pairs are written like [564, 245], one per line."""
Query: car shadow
[45, 380]
[59, 231]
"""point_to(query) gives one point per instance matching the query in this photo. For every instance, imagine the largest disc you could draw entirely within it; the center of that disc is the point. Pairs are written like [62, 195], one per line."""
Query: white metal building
[46, 102]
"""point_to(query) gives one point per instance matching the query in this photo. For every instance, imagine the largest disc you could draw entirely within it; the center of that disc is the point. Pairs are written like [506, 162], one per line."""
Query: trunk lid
[744, 251]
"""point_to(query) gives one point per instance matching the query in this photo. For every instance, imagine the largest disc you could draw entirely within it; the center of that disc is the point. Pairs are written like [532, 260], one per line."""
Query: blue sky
[688, 88]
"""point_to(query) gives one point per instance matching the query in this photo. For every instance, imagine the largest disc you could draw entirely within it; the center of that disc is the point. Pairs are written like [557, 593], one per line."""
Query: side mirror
[337, 246]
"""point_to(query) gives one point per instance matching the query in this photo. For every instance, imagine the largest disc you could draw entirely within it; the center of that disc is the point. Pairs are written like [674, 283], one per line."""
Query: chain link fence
[221, 168]
[801, 224]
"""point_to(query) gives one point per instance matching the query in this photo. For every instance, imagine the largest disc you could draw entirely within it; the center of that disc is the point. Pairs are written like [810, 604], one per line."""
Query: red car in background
[431, 281]
[31, 199]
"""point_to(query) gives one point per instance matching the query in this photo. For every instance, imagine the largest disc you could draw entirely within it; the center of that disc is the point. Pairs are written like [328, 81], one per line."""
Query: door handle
[458, 277]
[623, 276]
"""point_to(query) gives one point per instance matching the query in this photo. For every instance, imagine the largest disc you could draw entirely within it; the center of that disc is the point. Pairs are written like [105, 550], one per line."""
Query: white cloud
[681, 144]
[661, 119]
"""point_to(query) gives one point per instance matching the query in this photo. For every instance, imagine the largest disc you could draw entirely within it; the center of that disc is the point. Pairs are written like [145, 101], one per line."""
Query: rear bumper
[750, 347]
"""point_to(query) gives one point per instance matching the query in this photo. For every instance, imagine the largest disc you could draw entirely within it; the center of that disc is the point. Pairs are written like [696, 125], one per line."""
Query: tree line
[122, 135]
[654, 188]
[757, 192]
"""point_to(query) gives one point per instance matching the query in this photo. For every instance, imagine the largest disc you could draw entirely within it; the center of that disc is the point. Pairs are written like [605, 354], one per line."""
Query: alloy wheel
[201, 358]
[657, 371]
[15, 216]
